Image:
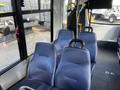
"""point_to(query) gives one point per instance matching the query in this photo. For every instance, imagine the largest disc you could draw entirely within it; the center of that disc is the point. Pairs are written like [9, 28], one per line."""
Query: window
[36, 30]
[30, 5]
[106, 22]
[45, 4]
[5, 6]
[37, 26]
[9, 52]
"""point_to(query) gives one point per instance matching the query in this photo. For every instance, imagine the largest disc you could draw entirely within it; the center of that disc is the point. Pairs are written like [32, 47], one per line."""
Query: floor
[106, 75]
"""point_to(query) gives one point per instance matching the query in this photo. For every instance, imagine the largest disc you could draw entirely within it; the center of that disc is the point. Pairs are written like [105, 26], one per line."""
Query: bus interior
[59, 45]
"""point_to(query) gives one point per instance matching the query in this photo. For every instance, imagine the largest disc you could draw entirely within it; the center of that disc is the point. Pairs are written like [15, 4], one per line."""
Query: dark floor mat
[106, 75]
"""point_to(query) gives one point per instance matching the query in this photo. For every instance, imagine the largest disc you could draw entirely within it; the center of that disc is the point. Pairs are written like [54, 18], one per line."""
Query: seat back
[74, 72]
[43, 63]
[64, 37]
[63, 40]
[90, 43]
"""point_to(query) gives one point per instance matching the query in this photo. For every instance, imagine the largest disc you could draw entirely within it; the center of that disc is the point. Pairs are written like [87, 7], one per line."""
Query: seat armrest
[26, 88]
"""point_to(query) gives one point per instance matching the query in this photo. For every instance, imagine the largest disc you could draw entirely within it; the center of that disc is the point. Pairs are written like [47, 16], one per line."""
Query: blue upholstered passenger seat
[63, 40]
[91, 44]
[43, 63]
[74, 70]
[64, 37]
[41, 68]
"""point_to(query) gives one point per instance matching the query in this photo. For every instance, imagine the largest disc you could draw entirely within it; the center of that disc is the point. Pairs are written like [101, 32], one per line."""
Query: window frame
[39, 10]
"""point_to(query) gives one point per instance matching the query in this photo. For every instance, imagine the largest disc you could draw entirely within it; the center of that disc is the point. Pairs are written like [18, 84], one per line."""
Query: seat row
[62, 65]
[88, 37]
[72, 73]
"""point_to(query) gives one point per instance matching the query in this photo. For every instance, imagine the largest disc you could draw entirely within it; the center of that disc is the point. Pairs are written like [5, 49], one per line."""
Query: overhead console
[99, 4]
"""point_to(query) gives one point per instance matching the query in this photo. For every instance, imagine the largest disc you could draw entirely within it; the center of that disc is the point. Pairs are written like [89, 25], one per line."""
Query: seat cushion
[54, 88]
[30, 83]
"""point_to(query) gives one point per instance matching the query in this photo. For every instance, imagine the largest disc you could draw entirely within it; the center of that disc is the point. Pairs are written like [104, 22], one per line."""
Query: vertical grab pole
[77, 18]
[52, 20]
[20, 34]
[39, 4]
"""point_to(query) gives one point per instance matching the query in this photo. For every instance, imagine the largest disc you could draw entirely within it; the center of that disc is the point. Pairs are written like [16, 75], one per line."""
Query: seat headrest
[79, 56]
[65, 34]
[42, 48]
[88, 37]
